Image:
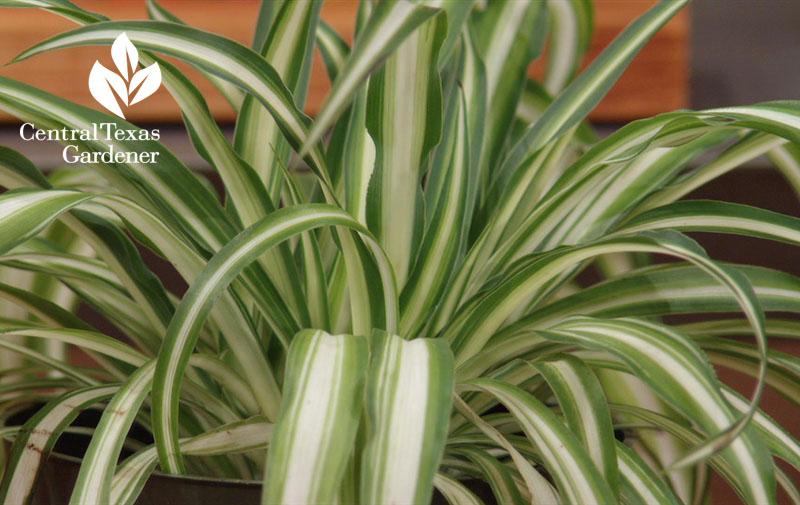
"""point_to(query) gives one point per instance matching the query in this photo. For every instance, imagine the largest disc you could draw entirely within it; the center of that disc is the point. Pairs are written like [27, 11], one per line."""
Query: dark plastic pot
[60, 471]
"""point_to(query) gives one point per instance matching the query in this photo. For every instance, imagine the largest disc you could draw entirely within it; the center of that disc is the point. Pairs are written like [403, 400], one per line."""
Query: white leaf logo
[108, 87]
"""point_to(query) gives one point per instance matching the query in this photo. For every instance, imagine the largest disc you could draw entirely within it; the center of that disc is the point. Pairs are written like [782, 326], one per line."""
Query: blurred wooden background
[657, 81]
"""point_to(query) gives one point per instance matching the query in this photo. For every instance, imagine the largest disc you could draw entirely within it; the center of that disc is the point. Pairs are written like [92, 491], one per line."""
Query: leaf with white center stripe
[571, 32]
[509, 36]
[288, 48]
[678, 371]
[445, 236]
[25, 213]
[538, 487]
[409, 394]
[391, 22]
[583, 403]
[403, 137]
[783, 372]
[787, 159]
[37, 437]
[718, 217]
[577, 478]
[588, 89]
[454, 492]
[780, 442]
[661, 290]
[223, 269]
[749, 147]
[232, 94]
[499, 476]
[93, 484]
[238, 436]
[469, 331]
[332, 48]
[639, 483]
[692, 437]
[315, 433]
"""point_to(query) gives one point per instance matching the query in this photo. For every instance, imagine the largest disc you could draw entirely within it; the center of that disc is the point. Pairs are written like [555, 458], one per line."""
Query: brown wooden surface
[657, 81]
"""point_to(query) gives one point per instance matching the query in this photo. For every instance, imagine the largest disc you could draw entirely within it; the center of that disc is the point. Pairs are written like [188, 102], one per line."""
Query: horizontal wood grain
[657, 81]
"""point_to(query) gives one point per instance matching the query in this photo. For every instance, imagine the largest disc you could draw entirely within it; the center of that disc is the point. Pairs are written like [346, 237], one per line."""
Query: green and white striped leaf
[584, 406]
[93, 484]
[691, 437]
[570, 34]
[787, 159]
[540, 490]
[223, 268]
[718, 217]
[664, 289]
[454, 492]
[680, 374]
[477, 322]
[389, 24]
[314, 435]
[573, 471]
[498, 475]
[35, 440]
[639, 483]
[232, 94]
[588, 89]
[509, 35]
[445, 236]
[288, 49]
[238, 436]
[25, 213]
[403, 137]
[409, 394]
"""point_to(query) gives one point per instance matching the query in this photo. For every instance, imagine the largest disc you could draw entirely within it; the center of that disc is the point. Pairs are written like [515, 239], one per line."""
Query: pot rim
[195, 478]
[74, 460]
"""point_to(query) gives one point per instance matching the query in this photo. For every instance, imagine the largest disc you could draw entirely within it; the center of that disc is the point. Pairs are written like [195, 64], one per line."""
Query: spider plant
[387, 298]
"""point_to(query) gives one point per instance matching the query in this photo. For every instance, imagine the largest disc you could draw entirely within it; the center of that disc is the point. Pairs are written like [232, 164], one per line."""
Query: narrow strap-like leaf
[589, 88]
[454, 492]
[223, 268]
[288, 48]
[571, 32]
[576, 477]
[499, 476]
[409, 394]
[640, 484]
[403, 136]
[232, 94]
[679, 372]
[24, 213]
[446, 233]
[510, 35]
[37, 437]
[390, 23]
[584, 406]
[315, 433]
[244, 435]
[93, 484]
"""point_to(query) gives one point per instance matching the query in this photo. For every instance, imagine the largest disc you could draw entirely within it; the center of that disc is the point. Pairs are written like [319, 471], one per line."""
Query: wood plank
[657, 81]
